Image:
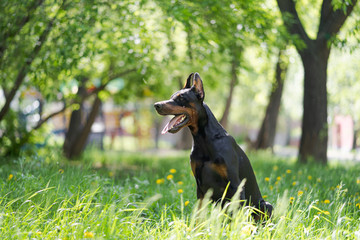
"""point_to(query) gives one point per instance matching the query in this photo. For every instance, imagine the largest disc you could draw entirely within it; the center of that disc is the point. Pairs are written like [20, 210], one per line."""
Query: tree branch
[25, 68]
[331, 21]
[74, 101]
[294, 26]
[112, 77]
[20, 23]
[45, 119]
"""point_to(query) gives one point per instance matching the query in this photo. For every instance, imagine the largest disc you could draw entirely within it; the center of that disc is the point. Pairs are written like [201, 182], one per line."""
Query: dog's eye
[181, 98]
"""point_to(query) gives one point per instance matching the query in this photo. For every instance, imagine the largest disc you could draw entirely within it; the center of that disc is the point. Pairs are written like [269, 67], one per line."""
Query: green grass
[131, 196]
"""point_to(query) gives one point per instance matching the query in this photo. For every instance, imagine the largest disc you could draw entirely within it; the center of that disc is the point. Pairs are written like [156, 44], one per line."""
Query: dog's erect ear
[188, 83]
[198, 86]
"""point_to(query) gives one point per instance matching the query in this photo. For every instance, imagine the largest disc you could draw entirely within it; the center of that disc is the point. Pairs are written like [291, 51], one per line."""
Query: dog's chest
[210, 173]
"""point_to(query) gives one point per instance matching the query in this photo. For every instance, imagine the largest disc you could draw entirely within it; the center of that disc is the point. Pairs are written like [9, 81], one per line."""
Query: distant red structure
[342, 132]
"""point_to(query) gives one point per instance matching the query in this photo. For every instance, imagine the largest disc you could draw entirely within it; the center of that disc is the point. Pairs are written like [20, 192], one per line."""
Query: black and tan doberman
[217, 161]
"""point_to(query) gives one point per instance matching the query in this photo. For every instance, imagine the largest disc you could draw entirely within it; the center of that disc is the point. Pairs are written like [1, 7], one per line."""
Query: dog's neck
[208, 127]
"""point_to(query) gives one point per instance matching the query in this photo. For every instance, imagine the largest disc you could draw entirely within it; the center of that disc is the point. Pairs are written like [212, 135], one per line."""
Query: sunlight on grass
[59, 200]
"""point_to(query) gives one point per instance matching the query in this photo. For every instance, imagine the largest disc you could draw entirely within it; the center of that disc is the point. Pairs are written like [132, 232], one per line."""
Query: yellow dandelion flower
[300, 193]
[294, 183]
[180, 191]
[326, 213]
[271, 187]
[172, 170]
[338, 186]
[288, 171]
[248, 229]
[267, 179]
[169, 177]
[186, 203]
[278, 178]
[358, 181]
[88, 234]
[180, 182]
[326, 201]
[38, 233]
[61, 171]
[160, 181]
[265, 196]
[275, 168]
[309, 177]
[292, 199]
[111, 174]
[10, 177]
[276, 183]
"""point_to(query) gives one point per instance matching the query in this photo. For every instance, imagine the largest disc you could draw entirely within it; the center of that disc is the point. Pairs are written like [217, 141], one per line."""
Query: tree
[37, 51]
[314, 54]
[235, 65]
[56, 43]
[266, 136]
[221, 31]
[10, 33]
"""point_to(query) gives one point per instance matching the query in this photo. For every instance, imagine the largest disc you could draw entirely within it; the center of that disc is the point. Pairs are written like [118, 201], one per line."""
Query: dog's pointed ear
[198, 86]
[189, 80]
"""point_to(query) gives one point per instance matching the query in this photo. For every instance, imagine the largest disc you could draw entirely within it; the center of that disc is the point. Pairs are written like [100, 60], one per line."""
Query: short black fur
[216, 159]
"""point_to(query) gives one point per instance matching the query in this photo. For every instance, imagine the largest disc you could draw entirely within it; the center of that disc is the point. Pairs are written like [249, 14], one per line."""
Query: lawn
[150, 196]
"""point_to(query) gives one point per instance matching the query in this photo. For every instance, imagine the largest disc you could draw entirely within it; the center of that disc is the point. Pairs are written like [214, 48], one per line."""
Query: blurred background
[85, 74]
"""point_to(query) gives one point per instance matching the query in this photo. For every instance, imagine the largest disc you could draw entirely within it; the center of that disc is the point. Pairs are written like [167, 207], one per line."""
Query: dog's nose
[158, 106]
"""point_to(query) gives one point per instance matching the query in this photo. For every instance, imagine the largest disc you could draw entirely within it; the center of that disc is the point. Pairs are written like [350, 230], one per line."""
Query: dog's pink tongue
[171, 124]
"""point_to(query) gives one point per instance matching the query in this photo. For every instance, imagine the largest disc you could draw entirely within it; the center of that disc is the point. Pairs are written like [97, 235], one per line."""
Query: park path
[333, 154]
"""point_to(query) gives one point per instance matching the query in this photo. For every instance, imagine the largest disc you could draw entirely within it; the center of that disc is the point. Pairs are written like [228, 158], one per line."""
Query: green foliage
[132, 196]
[86, 41]
[14, 128]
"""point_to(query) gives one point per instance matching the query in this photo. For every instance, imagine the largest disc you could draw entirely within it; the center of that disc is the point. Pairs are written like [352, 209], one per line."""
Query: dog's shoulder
[225, 142]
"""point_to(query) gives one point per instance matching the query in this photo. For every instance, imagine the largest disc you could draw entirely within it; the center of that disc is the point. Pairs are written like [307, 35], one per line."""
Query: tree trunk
[78, 133]
[235, 63]
[314, 138]
[76, 122]
[81, 140]
[266, 135]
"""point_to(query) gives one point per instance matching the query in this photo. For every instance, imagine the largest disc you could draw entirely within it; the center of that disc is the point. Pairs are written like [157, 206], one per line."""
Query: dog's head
[185, 104]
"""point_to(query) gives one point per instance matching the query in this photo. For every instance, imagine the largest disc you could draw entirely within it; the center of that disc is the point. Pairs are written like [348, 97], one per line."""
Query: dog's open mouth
[175, 124]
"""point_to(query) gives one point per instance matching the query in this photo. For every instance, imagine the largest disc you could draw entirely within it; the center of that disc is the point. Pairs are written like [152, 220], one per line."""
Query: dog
[217, 161]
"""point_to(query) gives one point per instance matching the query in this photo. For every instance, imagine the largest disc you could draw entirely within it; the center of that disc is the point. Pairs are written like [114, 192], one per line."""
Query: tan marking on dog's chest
[193, 167]
[219, 169]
